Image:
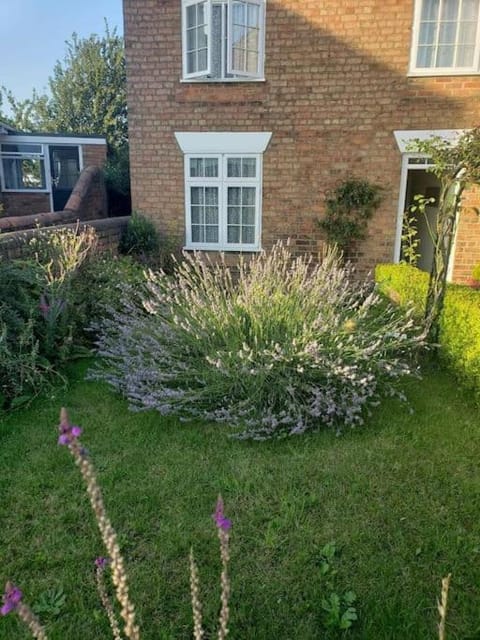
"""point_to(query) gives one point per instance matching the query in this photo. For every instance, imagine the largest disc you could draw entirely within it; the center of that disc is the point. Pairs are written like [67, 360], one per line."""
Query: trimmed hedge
[460, 324]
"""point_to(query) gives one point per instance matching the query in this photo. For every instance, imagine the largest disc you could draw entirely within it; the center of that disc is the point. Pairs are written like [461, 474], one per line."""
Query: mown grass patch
[400, 498]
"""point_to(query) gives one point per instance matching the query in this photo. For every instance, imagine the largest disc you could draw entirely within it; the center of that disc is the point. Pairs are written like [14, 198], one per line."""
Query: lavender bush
[286, 346]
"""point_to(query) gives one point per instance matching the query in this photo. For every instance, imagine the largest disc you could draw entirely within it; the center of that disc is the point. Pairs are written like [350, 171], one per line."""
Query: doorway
[417, 180]
[65, 169]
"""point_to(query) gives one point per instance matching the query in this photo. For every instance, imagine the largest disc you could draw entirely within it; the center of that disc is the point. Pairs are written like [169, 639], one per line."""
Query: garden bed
[399, 497]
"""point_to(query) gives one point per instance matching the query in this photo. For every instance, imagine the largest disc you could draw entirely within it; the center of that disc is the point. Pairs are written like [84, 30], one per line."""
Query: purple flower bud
[220, 520]
[63, 439]
[101, 562]
[76, 431]
[11, 598]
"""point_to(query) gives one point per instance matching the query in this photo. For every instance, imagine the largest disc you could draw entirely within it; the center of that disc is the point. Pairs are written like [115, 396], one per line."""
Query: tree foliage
[456, 164]
[87, 92]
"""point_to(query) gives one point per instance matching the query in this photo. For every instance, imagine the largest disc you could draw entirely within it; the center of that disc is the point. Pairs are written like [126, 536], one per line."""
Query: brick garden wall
[108, 232]
[18, 204]
[336, 88]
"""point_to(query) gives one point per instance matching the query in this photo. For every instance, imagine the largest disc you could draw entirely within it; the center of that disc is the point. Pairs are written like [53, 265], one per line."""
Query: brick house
[38, 171]
[243, 114]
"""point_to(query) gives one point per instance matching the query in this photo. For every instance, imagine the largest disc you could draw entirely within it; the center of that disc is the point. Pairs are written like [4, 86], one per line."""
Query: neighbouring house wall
[94, 154]
[108, 232]
[88, 201]
[336, 88]
[18, 204]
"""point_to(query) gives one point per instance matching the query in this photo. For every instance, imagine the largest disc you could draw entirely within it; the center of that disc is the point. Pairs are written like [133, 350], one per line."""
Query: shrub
[348, 209]
[476, 274]
[460, 322]
[286, 347]
[140, 238]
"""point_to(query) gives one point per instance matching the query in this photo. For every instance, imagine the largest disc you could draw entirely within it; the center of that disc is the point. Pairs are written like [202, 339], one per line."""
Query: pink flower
[220, 520]
[11, 598]
[68, 433]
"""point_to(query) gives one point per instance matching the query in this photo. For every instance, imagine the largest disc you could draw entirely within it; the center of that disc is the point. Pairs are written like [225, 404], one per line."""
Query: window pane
[470, 10]
[191, 16]
[216, 30]
[465, 56]
[447, 33]
[22, 148]
[252, 61]
[233, 235]
[211, 167]
[211, 234]
[24, 173]
[234, 195]
[201, 13]
[248, 235]
[196, 195]
[239, 37]
[239, 13]
[196, 213]
[253, 15]
[253, 39]
[467, 33]
[211, 195]
[197, 234]
[191, 40]
[202, 59]
[450, 9]
[191, 62]
[425, 57]
[233, 215]
[211, 215]
[430, 9]
[249, 167]
[238, 59]
[234, 167]
[202, 37]
[248, 215]
[427, 33]
[196, 167]
[445, 55]
[248, 196]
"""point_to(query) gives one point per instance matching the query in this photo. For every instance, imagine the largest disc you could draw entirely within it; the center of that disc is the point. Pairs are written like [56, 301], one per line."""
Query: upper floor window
[446, 37]
[22, 167]
[223, 39]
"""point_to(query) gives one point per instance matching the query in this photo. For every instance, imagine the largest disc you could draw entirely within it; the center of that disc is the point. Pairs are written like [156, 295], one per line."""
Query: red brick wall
[94, 154]
[467, 243]
[336, 88]
[19, 204]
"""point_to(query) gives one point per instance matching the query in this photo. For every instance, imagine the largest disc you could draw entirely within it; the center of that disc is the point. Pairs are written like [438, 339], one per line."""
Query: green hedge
[460, 324]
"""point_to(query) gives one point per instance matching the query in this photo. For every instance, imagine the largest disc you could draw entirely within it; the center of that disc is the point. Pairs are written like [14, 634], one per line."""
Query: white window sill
[222, 249]
[219, 80]
[427, 73]
[26, 191]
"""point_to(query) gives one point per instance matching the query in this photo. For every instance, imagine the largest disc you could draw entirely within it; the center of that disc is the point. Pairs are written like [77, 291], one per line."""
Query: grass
[401, 499]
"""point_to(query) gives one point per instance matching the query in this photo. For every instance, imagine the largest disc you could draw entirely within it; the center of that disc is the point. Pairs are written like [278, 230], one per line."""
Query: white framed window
[22, 167]
[223, 189]
[446, 37]
[223, 40]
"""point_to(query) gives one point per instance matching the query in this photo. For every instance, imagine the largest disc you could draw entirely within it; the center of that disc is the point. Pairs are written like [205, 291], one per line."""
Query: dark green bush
[460, 324]
[140, 239]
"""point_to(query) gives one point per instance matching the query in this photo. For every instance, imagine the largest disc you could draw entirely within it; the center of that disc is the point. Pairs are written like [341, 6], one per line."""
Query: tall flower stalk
[69, 435]
[442, 608]
[223, 525]
[12, 601]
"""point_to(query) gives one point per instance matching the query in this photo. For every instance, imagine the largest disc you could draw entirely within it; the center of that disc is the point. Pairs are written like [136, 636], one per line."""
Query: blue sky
[33, 34]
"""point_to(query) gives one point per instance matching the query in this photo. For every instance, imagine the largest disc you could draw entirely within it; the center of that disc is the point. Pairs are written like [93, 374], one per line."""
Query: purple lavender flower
[68, 433]
[101, 562]
[11, 598]
[220, 520]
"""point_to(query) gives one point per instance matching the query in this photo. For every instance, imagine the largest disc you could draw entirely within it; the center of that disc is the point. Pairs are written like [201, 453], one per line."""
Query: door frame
[407, 166]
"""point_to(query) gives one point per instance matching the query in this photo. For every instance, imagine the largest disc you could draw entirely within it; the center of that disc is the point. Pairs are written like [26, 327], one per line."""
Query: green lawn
[401, 499]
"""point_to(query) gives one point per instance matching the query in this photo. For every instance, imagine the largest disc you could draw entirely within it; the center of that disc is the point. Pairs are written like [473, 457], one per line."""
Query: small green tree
[456, 165]
[87, 92]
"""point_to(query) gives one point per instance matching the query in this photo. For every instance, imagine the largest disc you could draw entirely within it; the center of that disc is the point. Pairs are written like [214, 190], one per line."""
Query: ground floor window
[23, 167]
[223, 190]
